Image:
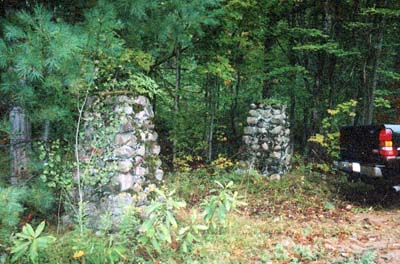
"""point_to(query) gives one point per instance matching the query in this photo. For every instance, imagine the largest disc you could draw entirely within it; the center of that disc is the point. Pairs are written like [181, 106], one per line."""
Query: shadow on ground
[377, 193]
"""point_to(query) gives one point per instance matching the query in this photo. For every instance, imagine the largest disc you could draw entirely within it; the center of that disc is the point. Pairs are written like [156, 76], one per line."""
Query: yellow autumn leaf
[78, 254]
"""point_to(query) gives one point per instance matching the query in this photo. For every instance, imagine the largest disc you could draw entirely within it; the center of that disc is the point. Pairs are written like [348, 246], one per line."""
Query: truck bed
[361, 150]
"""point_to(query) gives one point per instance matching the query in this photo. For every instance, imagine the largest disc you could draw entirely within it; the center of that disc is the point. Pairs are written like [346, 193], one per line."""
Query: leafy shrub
[40, 198]
[329, 138]
[30, 242]
[15, 200]
[161, 226]
[56, 172]
[218, 205]
[90, 248]
[11, 208]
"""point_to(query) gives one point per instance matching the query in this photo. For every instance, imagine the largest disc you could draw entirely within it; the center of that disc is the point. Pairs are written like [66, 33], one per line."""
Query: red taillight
[386, 148]
[385, 135]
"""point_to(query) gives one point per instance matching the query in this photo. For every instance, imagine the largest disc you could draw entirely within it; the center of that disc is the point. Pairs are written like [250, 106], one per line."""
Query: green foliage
[340, 116]
[309, 32]
[16, 200]
[92, 248]
[121, 71]
[11, 208]
[381, 99]
[218, 205]
[274, 101]
[57, 170]
[219, 67]
[368, 257]
[161, 223]
[43, 54]
[30, 242]
[191, 233]
[40, 198]
[103, 250]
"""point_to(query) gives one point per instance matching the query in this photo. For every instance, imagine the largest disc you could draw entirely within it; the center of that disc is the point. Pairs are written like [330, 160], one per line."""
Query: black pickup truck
[372, 151]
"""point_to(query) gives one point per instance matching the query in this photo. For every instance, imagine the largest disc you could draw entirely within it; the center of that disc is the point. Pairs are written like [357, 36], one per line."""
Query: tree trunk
[377, 57]
[176, 101]
[46, 131]
[315, 110]
[292, 116]
[234, 105]
[331, 81]
[210, 135]
[20, 143]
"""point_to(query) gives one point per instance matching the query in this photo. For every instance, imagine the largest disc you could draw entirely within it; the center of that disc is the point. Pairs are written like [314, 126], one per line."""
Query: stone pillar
[266, 138]
[122, 127]
[19, 141]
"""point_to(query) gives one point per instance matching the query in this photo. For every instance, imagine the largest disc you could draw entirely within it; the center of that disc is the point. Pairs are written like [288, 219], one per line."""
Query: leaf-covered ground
[311, 219]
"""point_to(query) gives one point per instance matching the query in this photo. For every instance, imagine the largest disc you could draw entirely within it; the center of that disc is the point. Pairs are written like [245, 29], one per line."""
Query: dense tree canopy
[209, 60]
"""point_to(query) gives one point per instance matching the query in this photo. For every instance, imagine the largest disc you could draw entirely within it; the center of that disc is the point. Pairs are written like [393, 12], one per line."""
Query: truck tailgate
[362, 144]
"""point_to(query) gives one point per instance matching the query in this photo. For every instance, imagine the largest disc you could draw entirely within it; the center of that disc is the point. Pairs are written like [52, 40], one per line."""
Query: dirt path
[371, 231]
[338, 237]
[335, 235]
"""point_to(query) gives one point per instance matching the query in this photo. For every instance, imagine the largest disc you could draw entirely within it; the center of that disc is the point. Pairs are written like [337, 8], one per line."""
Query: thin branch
[77, 153]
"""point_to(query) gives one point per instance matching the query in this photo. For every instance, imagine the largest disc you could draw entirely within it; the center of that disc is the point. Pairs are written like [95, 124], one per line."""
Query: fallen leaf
[238, 252]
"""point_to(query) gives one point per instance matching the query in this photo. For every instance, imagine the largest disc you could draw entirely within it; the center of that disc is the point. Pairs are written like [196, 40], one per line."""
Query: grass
[299, 219]
[306, 217]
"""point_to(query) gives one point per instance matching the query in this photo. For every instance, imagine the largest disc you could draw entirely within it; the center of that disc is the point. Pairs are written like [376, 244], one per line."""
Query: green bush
[342, 115]
[16, 200]
[219, 204]
[30, 242]
[11, 208]
[40, 199]
[91, 248]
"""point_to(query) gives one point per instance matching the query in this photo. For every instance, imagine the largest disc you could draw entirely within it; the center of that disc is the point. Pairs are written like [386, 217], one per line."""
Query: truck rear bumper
[371, 171]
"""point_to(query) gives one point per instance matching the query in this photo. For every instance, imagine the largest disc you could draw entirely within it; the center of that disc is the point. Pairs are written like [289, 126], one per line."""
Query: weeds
[30, 242]
[287, 221]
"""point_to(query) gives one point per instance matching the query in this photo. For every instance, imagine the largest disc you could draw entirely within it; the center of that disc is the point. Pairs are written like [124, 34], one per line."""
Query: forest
[196, 67]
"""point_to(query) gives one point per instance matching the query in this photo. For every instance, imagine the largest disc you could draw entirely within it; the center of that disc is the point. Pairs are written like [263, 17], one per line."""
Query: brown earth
[376, 230]
[338, 233]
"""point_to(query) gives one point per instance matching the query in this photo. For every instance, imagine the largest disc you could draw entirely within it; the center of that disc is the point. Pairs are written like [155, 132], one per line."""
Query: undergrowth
[228, 217]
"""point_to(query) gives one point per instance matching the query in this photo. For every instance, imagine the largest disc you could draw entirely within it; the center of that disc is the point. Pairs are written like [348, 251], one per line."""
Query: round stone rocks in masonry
[266, 139]
[120, 154]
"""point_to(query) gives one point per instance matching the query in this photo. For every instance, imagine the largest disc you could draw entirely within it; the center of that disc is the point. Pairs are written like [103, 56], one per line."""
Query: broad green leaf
[33, 252]
[20, 247]
[209, 212]
[221, 212]
[219, 184]
[190, 238]
[156, 245]
[147, 225]
[22, 235]
[183, 230]
[230, 184]
[227, 204]
[171, 219]
[40, 228]
[45, 241]
[153, 207]
[28, 230]
[20, 251]
[164, 229]
[184, 247]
